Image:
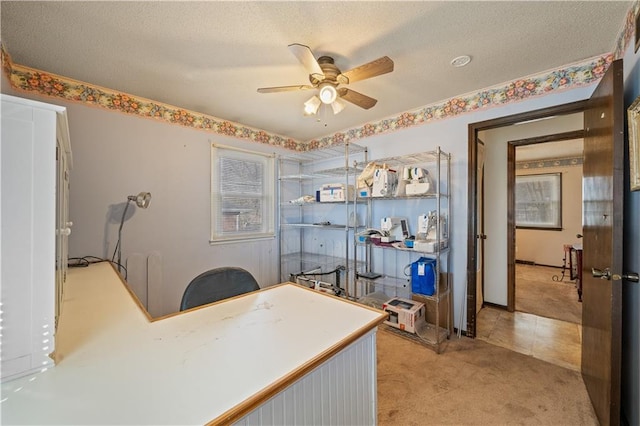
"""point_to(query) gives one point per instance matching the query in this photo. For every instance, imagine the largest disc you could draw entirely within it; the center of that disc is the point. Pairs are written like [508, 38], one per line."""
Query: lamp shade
[142, 200]
[311, 106]
[337, 106]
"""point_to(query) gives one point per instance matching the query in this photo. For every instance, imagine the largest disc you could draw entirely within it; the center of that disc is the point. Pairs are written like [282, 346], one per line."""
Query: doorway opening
[541, 316]
[548, 224]
[498, 316]
[481, 157]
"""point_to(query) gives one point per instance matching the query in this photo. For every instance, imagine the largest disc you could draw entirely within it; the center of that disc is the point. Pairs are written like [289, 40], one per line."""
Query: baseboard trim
[532, 263]
[494, 305]
[462, 333]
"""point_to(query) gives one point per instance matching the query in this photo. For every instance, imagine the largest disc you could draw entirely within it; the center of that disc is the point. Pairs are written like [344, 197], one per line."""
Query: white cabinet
[316, 229]
[35, 162]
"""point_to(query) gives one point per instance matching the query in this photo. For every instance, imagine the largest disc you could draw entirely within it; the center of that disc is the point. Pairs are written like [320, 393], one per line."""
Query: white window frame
[539, 201]
[266, 199]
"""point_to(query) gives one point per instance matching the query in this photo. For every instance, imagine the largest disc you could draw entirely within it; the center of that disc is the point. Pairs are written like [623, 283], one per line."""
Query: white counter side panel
[341, 391]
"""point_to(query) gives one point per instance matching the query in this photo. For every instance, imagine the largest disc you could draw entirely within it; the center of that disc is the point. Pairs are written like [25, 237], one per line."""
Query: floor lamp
[142, 200]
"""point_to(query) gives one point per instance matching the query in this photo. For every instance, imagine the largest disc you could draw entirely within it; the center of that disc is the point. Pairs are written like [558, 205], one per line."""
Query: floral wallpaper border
[575, 75]
[627, 31]
[551, 162]
[32, 80]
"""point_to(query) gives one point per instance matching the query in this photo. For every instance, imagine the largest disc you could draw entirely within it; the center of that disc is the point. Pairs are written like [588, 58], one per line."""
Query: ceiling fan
[327, 77]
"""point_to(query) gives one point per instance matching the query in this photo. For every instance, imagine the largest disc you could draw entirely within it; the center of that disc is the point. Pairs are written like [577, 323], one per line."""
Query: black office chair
[217, 284]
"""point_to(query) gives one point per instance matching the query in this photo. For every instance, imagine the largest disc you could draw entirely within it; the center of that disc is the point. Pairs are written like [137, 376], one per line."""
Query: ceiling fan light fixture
[311, 106]
[328, 93]
[326, 78]
[337, 106]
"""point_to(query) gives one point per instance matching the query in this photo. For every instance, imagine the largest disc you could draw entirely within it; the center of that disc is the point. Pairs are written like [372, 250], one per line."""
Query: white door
[28, 214]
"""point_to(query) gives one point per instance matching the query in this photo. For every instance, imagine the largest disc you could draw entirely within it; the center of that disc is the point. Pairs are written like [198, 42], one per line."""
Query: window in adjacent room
[539, 201]
[242, 194]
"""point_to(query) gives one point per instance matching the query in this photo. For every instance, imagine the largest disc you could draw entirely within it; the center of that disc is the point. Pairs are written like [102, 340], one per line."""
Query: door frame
[472, 201]
[481, 236]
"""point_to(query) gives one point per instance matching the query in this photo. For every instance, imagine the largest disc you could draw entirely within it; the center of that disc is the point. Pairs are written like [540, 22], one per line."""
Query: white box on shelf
[404, 314]
[335, 193]
[429, 246]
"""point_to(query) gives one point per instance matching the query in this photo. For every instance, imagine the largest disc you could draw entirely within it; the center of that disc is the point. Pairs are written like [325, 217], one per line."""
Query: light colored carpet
[538, 294]
[474, 383]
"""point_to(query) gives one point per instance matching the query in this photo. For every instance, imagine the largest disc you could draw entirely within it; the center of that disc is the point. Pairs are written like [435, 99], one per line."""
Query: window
[242, 194]
[539, 201]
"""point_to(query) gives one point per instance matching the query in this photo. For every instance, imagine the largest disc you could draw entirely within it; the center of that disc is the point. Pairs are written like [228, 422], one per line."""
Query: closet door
[28, 244]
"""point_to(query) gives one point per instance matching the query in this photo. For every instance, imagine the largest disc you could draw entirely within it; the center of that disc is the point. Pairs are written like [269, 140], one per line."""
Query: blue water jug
[423, 276]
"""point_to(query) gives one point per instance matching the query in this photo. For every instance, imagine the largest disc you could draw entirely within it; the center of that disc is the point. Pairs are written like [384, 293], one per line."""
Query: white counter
[212, 364]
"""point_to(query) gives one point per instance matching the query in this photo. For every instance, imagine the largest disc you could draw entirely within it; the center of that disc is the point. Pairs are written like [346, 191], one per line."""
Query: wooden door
[602, 217]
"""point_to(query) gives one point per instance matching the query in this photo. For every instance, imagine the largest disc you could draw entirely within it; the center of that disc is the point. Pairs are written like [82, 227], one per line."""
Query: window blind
[242, 194]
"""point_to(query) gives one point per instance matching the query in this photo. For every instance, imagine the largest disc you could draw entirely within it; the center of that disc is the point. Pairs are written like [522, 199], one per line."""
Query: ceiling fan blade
[284, 88]
[363, 101]
[371, 69]
[306, 58]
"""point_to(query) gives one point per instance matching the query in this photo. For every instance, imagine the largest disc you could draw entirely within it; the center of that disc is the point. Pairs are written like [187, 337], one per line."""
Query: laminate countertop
[212, 364]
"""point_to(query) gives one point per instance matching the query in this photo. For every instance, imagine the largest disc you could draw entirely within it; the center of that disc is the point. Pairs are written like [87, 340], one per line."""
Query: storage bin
[423, 276]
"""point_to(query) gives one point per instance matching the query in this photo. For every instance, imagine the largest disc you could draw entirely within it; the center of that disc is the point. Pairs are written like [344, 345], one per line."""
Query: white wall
[546, 247]
[117, 155]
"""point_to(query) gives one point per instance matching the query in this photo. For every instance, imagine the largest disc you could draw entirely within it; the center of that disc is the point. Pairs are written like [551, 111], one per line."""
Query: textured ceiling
[210, 57]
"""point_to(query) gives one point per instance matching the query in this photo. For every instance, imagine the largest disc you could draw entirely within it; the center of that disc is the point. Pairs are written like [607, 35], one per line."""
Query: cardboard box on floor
[404, 314]
[430, 304]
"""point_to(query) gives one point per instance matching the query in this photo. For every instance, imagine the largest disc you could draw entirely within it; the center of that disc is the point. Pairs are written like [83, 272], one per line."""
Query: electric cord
[336, 287]
[115, 251]
[339, 268]
[83, 262]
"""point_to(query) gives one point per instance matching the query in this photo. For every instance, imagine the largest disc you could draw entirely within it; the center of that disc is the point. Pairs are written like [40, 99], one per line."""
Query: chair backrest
[217, 284]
